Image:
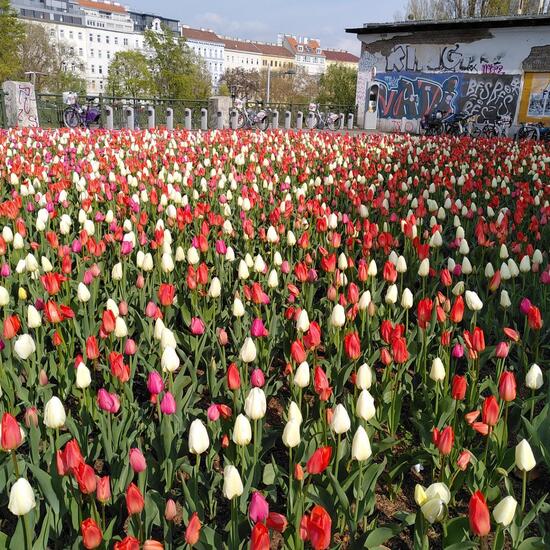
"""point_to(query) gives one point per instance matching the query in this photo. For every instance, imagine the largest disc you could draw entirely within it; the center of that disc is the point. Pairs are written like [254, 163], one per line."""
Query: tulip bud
[83, 376]
[169, 360]
[248, 350]
[525, 460]
[54, 413]
[391, 295]
[505, 510]
[170, 511]
[301, 376]
[338, 316]
[82, 293]
[364, 377]
[255, 404]
[198, 437]
[424, 268]
[137, 460]
[242, 431]
[22, 499]
[291, 434]
[365, 408]
[407, 299]
[232, 484]
[360, 447]
[340, 420]
[533, 378]
[24, 346]
[437, 372]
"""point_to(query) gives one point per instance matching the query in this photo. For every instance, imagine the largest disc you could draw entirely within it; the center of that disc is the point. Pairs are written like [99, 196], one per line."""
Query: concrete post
[204, 119]
[188, 119]
[169, 118]
[275, 120]
[233, 120]
[219, 120]
[150, 117]
[342, 121]
[129, 112]
[288, 120]
[299, 120]
[350, 121]
[109, 119]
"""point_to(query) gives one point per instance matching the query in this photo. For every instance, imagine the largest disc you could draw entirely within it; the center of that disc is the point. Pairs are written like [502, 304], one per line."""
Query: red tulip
[298, 352]
[11, 327]
[259, 539]
[424, 312]
[108, 321]
[166, 294]
[321, 385]
[478, 339]
[385, 356]
[457, 311]
[318, 526]
[389, 273]
[312, 338]
[534, 318]
[72, 456]
[399, 349]
[459, 386]
[103, 489]
[489, 411]
[233, 377]
[137, 460]
[193, 530]
[352, 345]
[445, 440]
[446, 278]
[92, 349]
[319, 460]
[507, 386]
[277, 522]
[502, 349]
[134, 500]
[86, 478]
[129, 543]
[91, 534]
[464, 459]
[478, 515]
[52, 282]
[11, 433]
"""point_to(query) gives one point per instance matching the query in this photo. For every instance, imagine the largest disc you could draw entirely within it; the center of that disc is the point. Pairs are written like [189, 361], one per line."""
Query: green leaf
[339, 491]
[268, 477]
[382, 534]
[46, 487]
[532, 543]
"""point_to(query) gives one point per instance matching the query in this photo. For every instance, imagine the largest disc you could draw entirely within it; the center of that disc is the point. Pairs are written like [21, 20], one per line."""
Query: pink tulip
[285, 267]
[213, 413]
[458, 351]
[258, 509]
[501, 350]
[76, 246]
[525, 306]
[140, 281]
[151, 310]
[137, 460]
[221, 247]
[130, 347]
[197, 326]
[155, 384]
[96, 272]
[126, 248]
[108, 402]
[258, 329]
[168, 404]
[88, 278]
[257, 378]
[223, 338]
[5, 270]
[123, 308]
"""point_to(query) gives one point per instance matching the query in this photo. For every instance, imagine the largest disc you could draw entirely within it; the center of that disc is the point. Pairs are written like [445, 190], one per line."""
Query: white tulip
[302, 323]
[505, 511]
[505, 301]
[301, 376]
[364, 300]
[198, 437]
[424, 268]
[248, 350]
[341, 422]
[24, 346]
[54, 413]
[473, 301]
[437, 372]
[238, 308]
[242, 430]
[193, 257]
[83, 376]
[525, 460]
[82, 293]
[4, 297]
[533, 378]
[338, 316]
[232, 483]
[291, 434]
[244, 273]
[255, 405]
[169, 360]
[116, 272]
[364, 377]
[407, 299]
[34, 320]
[364, 407]
[360, 447]
[22, 499]
[215, 288]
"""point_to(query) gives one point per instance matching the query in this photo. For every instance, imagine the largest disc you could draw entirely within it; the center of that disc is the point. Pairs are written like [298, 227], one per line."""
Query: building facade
[340, 57]
[241, 54]
[210, 48]
[485, 67]
[307, 52]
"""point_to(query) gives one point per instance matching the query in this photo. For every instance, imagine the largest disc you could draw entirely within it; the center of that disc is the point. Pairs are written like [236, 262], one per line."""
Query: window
[137, 43]
[300, 48]
[100, 69]
[52, 33]
[101, 84]
[71, 35]
[92, 69]
[99, 54]
[99, 38]
[116, 39]
[61, 33]
[125, 41]
[80, 51]
[91, 36]
[108, 55]
[107, 39]
[80, 36]
[91, 52]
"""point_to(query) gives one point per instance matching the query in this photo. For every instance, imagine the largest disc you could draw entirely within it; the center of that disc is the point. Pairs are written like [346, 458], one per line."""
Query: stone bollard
[299, 120]
[204, 119]
[109, 118]
[187, 118]
[342, 121]
[150, 117]
[233, 119]
[219, 120]
[288, 119]
[169, 118]
[129, 112]
[350, 121]
[275, 120]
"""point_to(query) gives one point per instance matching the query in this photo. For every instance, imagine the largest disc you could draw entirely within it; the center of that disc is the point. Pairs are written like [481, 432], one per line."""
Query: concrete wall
[479, 71]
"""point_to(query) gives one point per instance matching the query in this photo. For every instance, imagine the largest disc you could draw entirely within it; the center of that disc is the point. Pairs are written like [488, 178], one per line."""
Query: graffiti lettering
[490, 96]
[492, 68]
[25, 112]
[411, 96]
[402, 58]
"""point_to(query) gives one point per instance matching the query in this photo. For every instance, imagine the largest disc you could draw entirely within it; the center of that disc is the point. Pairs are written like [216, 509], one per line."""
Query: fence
[50, 110]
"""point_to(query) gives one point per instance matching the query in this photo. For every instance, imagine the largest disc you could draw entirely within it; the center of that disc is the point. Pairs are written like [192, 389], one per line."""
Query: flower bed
[298, 340]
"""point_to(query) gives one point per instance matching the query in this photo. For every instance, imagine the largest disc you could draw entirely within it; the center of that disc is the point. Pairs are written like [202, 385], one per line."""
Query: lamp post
[268, 91]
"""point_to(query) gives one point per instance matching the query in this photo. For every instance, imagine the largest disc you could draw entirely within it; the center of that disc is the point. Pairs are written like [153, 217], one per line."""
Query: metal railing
[50, 109]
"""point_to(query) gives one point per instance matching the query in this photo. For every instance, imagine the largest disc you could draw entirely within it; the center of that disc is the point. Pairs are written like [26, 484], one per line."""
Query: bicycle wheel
[71, 117]
[311, 121]
[263, 123]
[489, 131]
[240, 120]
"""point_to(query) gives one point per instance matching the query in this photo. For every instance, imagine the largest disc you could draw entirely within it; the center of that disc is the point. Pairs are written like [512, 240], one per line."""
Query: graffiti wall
[535, 99]
[478, 71]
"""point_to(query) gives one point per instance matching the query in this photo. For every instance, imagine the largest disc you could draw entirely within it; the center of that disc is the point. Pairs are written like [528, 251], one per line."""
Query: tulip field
[241, 340]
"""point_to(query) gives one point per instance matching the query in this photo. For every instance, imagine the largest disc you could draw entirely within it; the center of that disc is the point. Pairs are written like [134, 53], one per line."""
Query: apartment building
[209, 47]
[340, 57]
[307, 52]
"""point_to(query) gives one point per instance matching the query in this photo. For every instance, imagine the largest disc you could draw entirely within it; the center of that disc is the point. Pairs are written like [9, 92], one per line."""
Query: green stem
[28, 534]
[15, 465]
[496, 537]
[523, 492]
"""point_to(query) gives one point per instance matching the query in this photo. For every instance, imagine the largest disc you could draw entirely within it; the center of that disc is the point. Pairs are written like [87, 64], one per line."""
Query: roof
[201, 34]
[273, 50]
[103, 6]
[310, 46]
[340, 56]
[448, 24]
[240, 45]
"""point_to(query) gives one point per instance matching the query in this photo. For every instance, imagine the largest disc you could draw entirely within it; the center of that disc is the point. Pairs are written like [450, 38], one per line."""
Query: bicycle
[80, 115]
[533, 130]
[497, 127]
[317, 119]
[247, 117]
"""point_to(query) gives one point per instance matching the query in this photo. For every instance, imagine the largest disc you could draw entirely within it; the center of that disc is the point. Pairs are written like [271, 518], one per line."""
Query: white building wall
[245, 60]
[212, 53]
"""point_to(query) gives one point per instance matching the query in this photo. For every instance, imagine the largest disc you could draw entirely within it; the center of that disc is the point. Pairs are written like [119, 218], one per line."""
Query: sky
[264, 19]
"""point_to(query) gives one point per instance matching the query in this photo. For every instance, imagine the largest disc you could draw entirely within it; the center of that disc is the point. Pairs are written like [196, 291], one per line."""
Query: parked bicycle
[80, 115]
[317, 119]
[432, 123]
[496, 128]
[533, 130]
[249, 117]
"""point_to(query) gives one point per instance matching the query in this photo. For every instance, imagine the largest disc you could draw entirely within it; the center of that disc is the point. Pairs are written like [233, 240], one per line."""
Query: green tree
[129, 75]
[337, 86]
[12, 35]
[244, 84]
[177, 72]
